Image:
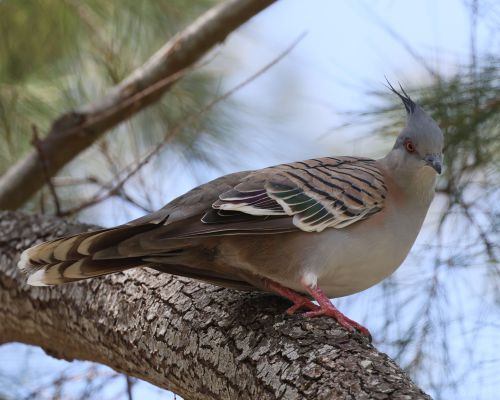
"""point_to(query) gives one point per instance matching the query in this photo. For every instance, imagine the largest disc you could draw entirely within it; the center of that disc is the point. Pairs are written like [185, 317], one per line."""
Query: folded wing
[330, 192]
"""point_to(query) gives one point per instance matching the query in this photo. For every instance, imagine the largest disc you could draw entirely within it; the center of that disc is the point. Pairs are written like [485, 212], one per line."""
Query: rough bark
[76, 130]
[198, 340]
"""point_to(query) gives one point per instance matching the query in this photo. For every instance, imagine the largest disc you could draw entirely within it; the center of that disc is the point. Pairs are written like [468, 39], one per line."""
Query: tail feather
[71, 258]
[92, 254]
[47, 276]
[70, 271]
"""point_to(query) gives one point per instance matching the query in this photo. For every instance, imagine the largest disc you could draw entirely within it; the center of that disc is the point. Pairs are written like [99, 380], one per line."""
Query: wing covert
[330, 192]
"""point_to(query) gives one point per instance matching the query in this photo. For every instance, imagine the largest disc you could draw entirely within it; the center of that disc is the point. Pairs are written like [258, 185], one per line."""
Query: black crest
[405, 98]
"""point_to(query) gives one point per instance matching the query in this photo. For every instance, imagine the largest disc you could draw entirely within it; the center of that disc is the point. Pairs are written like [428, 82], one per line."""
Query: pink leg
[297, 299]
[328, 309]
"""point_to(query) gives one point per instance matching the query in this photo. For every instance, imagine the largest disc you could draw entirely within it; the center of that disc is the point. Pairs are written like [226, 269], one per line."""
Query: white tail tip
[24, 261]
[38, 278]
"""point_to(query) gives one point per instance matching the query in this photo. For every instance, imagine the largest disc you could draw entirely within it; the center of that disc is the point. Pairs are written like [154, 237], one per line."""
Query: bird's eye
[409, 146]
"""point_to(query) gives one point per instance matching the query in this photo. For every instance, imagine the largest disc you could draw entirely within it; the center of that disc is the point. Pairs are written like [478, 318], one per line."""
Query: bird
[308, 230]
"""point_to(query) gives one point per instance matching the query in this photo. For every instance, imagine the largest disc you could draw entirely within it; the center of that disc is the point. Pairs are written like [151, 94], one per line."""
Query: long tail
[74, 258]
[91, 254]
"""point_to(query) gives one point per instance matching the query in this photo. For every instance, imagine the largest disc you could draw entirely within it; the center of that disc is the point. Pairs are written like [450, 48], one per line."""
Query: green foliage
[34, 35]
[467, 107]
[58, 55]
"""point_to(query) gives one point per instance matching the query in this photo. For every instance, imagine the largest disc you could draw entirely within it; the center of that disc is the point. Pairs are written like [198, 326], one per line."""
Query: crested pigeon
[308, 230]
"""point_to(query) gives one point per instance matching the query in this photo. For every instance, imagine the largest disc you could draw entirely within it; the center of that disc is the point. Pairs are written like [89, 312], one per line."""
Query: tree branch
[198, 340]
[76, 130]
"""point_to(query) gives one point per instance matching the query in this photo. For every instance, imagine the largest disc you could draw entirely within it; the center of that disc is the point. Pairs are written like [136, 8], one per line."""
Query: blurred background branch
[76, 130]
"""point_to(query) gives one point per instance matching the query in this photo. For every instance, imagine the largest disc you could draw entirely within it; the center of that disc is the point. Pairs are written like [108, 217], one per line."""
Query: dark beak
[434, 161]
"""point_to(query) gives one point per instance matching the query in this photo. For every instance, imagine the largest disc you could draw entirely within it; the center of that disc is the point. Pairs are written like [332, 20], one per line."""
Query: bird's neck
[416, 182]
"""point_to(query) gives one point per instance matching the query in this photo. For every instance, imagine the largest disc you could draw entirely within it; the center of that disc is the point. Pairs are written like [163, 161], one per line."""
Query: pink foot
[328, 309]
[325, 308]
[298, 304]
[297, 299]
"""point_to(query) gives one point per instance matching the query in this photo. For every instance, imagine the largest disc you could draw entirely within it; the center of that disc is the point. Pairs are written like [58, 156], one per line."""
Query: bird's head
[420, 143]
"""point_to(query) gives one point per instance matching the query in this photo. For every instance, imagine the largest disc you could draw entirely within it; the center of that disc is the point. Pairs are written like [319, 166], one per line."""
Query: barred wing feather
[330, 192]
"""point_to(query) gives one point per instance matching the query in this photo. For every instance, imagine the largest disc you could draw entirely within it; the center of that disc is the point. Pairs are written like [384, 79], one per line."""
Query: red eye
[410, 147]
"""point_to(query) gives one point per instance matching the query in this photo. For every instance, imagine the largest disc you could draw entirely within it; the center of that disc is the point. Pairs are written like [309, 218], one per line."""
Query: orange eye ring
[409, 146]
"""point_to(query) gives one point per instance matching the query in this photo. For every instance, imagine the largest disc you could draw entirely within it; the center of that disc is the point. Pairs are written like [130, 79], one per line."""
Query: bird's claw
[347, 323]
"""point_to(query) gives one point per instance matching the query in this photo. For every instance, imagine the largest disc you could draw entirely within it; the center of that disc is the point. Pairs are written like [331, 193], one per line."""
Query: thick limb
[298, 300]
[327, 308]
